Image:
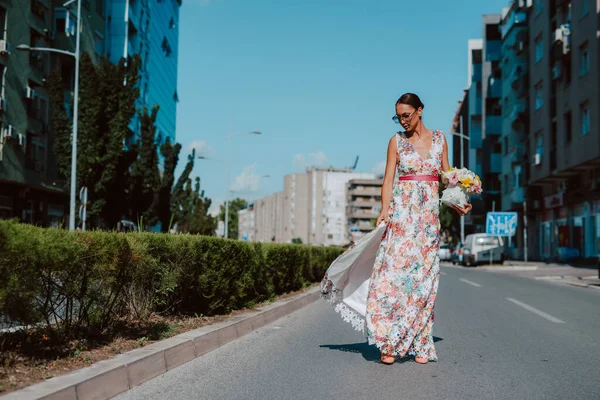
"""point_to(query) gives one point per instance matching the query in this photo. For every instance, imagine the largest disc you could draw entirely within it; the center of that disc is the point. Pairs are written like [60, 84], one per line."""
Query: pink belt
[428, 178]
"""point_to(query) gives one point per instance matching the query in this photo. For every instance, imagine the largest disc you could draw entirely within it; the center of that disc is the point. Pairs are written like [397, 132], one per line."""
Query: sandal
[421, 360]
[388, 359]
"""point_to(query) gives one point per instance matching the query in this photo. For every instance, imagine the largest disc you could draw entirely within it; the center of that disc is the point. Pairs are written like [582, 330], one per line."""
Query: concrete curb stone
[106, 379]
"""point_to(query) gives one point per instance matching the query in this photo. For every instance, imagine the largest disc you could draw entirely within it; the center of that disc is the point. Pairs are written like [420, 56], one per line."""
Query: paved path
[498, 336]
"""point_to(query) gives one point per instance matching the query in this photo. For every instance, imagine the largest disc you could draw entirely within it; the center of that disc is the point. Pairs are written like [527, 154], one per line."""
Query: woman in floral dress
[405, 276]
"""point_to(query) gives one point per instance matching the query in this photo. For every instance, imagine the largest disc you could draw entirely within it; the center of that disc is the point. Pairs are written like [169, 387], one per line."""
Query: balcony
[493, 125]
[363, 214]
[493, 50]
[518, 195]
[496, 163]
[517, 110]
[495, 87]
[365, 192]
[515, 18]
[516, 156]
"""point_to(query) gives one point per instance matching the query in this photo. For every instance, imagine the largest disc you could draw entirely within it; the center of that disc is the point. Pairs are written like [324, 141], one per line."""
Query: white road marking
[470, 283]
[536, 311]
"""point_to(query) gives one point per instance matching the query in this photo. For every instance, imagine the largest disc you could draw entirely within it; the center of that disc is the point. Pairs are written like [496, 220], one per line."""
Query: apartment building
[564, 135]
[269, 218]
[363, 206]
[515, 112]
[295, 208]
[491, 113]
[247, 224]
[30, 188]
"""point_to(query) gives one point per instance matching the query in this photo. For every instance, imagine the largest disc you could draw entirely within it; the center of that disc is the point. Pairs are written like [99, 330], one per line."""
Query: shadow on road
[369, 353]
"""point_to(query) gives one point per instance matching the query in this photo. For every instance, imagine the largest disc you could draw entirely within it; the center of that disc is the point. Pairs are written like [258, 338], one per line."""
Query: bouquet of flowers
[460, 185]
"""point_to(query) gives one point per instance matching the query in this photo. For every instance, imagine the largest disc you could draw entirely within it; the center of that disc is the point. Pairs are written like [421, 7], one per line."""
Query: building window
[538, 7]
[100, 7]
[584, 59]
[98, 44]
[585, 119]
[2, 23]
[539, 101]
[166, 47]
[568, 127]
[539, 49]
[517, 176]
[539, 147]
[585, 7]
[172, 24]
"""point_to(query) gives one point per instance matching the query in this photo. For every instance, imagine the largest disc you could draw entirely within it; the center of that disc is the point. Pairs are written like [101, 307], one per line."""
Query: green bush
[71, 282]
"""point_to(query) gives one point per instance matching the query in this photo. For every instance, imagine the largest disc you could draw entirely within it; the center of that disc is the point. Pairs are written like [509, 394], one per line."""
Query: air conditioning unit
[537, 159]
[10, 132]
[4, 47]
[30, 93]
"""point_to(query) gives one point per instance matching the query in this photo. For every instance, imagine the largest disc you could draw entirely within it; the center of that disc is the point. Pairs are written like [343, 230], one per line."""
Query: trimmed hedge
[73, 282]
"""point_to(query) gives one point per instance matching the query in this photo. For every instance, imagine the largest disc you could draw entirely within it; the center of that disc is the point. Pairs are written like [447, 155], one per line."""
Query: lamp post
[229, 136]
[73, 188]
[462, 165]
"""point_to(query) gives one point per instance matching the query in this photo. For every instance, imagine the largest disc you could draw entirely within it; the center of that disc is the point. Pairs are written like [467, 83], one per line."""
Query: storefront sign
[557, 200]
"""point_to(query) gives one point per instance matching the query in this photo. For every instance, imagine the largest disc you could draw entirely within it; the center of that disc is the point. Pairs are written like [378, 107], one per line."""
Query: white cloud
[318, 159]
[379, 169]
[247, 181]
[202, 147]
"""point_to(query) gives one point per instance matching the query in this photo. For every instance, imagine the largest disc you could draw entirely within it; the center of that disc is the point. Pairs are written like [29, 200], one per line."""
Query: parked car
[445, 252]
[481, 248]
[457, 254]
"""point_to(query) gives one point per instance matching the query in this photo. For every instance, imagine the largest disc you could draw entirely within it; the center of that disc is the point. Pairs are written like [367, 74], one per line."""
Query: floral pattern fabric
[405, 277]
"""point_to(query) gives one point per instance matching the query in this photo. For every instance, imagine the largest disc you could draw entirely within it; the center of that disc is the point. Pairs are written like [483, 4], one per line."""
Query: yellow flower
[466, 182]
[451, 169]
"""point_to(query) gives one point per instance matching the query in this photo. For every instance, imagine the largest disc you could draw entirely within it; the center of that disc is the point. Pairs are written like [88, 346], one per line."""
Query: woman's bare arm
[388, 179]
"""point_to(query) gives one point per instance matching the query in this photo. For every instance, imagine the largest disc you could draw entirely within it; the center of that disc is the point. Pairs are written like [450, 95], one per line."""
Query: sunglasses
[403, 117]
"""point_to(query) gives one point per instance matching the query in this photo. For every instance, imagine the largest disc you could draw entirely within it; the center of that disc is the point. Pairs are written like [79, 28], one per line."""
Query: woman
[404, 280]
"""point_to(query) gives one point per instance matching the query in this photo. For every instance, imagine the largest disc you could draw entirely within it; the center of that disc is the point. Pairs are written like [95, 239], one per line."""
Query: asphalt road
[498, 336]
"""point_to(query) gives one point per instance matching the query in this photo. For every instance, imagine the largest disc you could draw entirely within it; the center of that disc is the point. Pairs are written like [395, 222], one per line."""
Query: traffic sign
[501, 223]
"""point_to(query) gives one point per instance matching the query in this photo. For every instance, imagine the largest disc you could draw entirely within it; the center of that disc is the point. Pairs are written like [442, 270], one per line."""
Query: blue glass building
[149, 28]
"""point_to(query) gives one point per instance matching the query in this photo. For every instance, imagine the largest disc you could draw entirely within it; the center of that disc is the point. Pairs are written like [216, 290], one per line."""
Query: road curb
[106, 379]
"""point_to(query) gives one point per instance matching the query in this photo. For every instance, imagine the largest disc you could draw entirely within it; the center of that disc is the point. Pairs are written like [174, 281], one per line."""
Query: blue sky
[318, 78]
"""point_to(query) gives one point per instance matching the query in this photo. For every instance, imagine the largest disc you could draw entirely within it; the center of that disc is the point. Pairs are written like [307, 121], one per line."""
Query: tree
[234, 207]
[163, 208]
[189, 206]
[61, 124]
[119, 91]
[145, 177]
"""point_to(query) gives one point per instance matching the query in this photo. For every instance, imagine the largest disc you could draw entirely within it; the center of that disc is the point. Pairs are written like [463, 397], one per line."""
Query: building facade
[564, 128]
[30, 188]
[363, 206]
[515, 113]
[549, 124]
[149, 28]
[295, 208]
[491, 76]
[247, 224]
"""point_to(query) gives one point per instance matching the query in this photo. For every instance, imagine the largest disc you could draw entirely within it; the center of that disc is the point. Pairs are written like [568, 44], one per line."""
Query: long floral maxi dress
[404, 282]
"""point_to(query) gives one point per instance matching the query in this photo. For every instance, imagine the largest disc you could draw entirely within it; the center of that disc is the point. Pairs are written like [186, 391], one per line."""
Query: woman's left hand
[463, 211]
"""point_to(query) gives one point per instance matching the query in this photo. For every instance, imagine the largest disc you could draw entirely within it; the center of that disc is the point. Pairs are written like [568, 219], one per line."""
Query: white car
[445, 252]
[481, 248]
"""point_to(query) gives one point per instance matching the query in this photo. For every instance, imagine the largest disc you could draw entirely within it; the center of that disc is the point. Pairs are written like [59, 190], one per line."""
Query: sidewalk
[583, 276]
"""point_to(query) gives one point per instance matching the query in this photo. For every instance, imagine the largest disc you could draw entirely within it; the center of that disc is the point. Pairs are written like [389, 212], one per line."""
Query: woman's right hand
[383, 217]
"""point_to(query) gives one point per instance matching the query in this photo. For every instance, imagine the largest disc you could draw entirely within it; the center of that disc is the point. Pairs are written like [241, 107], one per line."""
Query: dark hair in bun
[411, 99]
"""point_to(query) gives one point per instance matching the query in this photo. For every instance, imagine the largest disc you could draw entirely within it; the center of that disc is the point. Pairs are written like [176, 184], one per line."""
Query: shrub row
[86, 281]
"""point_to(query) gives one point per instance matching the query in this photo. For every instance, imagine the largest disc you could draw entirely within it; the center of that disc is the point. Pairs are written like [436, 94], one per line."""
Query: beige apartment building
[364, 206]
[269, 218]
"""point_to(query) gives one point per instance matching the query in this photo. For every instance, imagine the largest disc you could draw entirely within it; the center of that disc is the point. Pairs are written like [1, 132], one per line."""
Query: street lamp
[229, 173]
[462, 164]
[75, 55]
